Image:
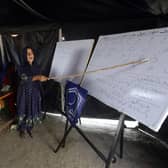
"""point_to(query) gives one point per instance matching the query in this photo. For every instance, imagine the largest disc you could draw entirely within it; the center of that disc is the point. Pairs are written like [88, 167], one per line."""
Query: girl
[29, 93]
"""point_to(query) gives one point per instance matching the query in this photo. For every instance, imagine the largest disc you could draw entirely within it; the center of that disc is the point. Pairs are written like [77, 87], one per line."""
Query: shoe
[29, 133]
[22, 134]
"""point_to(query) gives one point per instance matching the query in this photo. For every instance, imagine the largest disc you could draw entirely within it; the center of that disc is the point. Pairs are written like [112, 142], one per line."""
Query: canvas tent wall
[78, 20]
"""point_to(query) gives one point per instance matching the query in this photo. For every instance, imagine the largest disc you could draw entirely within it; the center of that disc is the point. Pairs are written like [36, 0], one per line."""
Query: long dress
[28, 97]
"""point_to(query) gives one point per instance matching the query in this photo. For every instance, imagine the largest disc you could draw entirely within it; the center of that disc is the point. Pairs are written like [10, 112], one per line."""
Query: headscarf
[26, 68]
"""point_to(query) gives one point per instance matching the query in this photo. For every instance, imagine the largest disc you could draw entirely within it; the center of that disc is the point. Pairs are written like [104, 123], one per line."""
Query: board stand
[118, 140]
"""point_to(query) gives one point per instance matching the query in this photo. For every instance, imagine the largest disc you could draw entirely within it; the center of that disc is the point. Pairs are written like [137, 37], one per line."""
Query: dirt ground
[37, 152]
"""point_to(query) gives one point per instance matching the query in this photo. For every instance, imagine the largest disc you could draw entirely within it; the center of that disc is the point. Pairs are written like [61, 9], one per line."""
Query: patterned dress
[28, 97]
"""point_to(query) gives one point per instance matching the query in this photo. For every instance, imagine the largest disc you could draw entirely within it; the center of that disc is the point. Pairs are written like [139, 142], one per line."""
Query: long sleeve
[25, 73]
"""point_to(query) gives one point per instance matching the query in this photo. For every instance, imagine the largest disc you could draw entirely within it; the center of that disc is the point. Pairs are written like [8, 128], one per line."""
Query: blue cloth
[28, 97]
[75, 98]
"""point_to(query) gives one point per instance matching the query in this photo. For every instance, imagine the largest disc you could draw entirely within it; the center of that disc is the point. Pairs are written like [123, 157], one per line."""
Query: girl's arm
[41, 78]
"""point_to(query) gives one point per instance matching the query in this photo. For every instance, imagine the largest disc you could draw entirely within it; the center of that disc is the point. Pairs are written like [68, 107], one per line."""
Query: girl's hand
[36, 78]
[43, 78]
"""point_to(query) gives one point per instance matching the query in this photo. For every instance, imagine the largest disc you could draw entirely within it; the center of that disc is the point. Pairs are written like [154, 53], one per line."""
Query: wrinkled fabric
[75, 98]
[28, 97]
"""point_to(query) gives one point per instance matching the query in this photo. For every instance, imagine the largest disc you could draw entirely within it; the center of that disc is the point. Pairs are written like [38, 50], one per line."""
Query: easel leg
[63, 139]
[66, 127]
[80, 121]
[121, 141]
[117, 138]
[100, 154]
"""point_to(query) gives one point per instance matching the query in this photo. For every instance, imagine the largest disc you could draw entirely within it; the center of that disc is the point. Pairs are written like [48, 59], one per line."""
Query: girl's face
[30, 56]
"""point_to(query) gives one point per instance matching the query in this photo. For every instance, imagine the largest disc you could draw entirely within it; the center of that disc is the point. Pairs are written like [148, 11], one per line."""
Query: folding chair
[75, 98]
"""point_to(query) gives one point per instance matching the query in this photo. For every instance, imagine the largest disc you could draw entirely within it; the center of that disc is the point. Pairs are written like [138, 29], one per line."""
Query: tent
[110, 15]
[79, 19]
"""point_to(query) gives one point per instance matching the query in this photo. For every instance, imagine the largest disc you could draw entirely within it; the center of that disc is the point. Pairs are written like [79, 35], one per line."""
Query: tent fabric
[87, 9]
[12, 29]
[43, 42]
[86, 30]
[28, 12]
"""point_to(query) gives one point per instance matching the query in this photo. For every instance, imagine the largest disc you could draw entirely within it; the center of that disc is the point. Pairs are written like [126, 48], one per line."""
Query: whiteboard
[139, 91]
[71, 57]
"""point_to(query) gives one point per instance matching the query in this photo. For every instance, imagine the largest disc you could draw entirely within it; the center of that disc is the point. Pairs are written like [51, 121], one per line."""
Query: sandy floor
[37, 152]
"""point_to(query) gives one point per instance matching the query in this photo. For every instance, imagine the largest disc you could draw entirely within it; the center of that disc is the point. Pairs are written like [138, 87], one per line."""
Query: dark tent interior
[37, 23]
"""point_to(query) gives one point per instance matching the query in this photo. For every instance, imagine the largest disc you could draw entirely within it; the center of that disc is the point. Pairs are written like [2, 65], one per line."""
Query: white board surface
[140, 91]
[71, 57]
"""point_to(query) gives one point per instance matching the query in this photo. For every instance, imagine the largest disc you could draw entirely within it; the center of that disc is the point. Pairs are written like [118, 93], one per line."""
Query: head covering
[25, 69]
